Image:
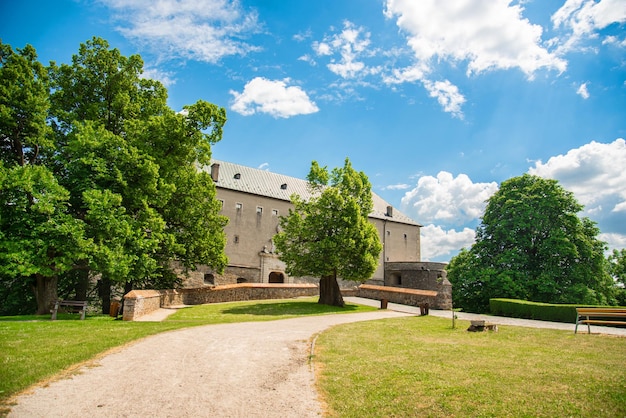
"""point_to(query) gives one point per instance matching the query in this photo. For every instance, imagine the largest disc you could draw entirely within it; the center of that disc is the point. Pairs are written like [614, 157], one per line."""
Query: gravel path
[254, 369]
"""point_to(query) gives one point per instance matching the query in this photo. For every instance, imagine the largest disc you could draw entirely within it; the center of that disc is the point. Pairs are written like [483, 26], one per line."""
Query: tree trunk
[82, 284]
[104, 289]
[45, 293]
[329, 291]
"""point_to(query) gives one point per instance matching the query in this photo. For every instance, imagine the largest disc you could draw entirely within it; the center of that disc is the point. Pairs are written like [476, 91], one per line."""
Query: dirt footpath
[255, 369]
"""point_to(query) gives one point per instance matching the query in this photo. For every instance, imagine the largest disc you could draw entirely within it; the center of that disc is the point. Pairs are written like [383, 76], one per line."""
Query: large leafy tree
[532, 245]
[123, 151]
[329, 235]
[39, 240]
[98, 176]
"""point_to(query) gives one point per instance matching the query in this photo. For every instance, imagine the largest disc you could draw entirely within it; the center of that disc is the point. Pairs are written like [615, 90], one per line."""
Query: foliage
[329, 235]
[535, 310]
[532, 245]
[99, 177]
[419, 366]
[617, 268]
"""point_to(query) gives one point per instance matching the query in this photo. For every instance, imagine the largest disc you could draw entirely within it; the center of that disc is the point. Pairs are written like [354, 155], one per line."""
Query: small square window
[238, 206]
[259, 210]
[275, 212]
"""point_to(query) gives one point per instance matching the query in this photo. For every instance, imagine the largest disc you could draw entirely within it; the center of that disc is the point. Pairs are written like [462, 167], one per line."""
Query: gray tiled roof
[265, 183]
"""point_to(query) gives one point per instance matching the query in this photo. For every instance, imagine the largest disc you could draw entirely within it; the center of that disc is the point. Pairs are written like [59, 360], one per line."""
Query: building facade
[254, 199]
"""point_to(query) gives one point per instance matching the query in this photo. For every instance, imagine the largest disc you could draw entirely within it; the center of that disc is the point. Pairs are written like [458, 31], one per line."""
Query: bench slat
[70, 303]
[604, 316]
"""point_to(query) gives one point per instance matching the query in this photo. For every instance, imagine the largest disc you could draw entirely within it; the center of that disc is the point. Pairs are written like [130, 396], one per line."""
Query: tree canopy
[108, 174]
[532, 245]
[329, 235]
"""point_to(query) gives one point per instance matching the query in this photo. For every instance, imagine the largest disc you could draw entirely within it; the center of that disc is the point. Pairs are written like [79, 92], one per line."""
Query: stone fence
[401, 295]
[141, 302]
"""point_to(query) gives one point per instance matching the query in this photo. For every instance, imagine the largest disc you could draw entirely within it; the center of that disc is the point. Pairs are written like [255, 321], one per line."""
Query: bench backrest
[601, 311]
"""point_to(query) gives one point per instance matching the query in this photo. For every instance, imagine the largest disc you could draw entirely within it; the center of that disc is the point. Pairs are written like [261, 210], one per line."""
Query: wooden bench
[75, 305]
[599, 316]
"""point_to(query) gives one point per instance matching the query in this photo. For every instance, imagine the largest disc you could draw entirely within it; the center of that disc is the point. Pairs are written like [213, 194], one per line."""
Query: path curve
[252, 369]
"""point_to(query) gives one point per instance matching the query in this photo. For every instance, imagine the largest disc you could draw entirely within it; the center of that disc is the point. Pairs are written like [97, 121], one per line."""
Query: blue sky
[437, 101]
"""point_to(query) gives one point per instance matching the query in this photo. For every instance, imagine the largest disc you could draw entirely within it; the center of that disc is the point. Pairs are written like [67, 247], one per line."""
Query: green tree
[122, 151]
[617, 269]
[329, 235]
[532, 245]
[38, 239]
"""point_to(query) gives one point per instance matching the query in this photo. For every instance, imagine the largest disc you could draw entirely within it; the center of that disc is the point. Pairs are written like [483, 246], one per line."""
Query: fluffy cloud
[584, 17]
[436, 243]
[487, 34]
[595, 174]
[165, 77]
[274, 97]
[582, 91]
[448, 96]
[447, 199]
[203, 30]
[347, 49]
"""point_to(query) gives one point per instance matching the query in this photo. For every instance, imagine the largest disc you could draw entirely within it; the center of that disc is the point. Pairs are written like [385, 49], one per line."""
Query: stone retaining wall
[141, 302]
[403, 296]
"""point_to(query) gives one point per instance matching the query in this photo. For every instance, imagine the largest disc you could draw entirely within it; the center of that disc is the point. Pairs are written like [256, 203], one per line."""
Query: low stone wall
[236, 292]
[142, 302]
[403, 296]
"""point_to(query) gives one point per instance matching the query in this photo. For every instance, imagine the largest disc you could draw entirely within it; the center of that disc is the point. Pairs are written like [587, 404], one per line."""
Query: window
[209, 278]
[238, 206]
[259, 210]
[274, 212]
[221, 204]
[236, 239]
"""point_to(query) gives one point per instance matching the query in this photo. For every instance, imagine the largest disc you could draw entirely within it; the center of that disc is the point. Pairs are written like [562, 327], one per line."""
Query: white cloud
[203, 30]
[595, 174]
[584, 17]
[487, 34]
[447, 95]
[484, 34]
[274, 97]
[402, 186]
[582, 91]
[347, 49]
[165, 77]
[592, 172]
[437, 243]
[447, 199]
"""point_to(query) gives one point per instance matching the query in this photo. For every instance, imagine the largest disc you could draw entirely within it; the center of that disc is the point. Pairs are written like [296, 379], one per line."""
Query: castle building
[254, 199]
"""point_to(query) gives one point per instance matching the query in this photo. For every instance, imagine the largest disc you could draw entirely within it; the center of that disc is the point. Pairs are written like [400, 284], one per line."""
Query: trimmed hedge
[515, 308]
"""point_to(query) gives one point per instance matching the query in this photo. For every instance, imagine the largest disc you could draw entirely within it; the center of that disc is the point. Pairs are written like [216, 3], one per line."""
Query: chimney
[389, 211]
[215, 172]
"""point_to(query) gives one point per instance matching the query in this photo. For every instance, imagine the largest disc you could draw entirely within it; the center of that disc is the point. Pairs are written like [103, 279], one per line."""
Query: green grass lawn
[415, 366]
[420, 366]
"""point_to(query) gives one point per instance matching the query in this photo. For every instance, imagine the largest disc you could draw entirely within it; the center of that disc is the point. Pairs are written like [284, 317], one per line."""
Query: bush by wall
[534, 310]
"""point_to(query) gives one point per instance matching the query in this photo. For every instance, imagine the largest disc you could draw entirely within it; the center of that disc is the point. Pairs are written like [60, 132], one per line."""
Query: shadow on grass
[289, 308]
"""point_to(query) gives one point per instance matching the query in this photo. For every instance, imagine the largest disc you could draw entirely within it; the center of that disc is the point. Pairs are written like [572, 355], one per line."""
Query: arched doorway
[277, 277]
